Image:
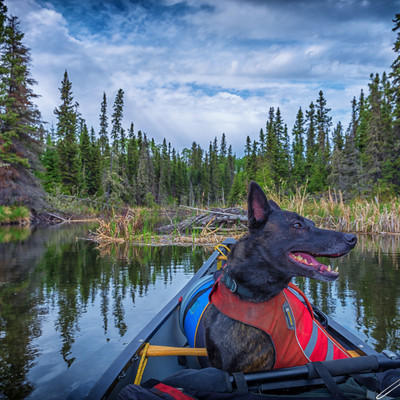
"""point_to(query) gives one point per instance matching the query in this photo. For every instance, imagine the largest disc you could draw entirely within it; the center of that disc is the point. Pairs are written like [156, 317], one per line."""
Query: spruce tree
[272, 145]
[181, 182]
[103, 133]
[94, 184]
[115, 171]
[85, 158]
[19, 116]
[175, 178]
[164, 175]
[132, 158]
[204, 189]
[262, 144]
[373, 170]
[349, 181]
[229, 170]
[51, 162]
[395, 74]
[391, 140]
[223, 170]
[222, 150]
[324, 122]
[281, 156]
[145, 177]
[363, 116]
[310, 141]
[249, 166]
[335, 176]
[116, 120]
[298, 171]
[3, 19]
[285, 174]
[66, 132]
[238, 190]
[320, 167]
[214, 173]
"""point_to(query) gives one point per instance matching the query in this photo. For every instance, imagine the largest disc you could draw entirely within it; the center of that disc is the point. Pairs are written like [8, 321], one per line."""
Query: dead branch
[209, 220]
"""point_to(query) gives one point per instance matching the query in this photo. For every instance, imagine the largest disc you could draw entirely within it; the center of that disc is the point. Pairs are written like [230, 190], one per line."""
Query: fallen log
[212, 219]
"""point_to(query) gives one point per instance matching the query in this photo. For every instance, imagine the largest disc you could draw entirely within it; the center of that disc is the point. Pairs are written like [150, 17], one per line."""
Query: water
[67, 308]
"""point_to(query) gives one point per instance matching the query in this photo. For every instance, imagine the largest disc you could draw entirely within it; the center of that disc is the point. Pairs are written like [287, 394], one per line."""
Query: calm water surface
[67, 308]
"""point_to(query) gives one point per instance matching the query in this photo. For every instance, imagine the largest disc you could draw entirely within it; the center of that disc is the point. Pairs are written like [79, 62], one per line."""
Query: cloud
[192, 69]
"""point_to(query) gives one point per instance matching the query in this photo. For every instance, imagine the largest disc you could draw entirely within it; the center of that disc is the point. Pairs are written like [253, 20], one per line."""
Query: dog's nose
[350, 239]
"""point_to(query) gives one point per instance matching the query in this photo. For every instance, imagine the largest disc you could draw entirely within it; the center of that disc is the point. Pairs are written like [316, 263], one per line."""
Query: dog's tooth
[336, 269]
[329, 268]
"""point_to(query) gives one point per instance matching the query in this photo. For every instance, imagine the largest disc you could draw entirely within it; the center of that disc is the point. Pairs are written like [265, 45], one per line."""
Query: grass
[330, 212]
[135, 225]
[19, 215]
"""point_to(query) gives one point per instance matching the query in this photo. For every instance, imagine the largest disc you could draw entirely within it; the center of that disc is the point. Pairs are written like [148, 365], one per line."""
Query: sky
[194, 69]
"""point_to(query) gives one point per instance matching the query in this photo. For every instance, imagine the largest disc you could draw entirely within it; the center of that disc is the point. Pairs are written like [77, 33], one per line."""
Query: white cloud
[192, 73]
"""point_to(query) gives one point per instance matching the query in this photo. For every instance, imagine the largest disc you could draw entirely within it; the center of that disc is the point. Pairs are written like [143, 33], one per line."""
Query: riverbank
[187, 225]
[14, 215]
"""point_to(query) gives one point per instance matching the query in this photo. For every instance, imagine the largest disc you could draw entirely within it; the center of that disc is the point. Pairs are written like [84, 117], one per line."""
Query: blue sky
[194, 69]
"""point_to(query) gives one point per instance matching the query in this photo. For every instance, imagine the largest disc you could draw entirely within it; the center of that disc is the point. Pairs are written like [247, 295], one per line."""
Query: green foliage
[298, 170]
[19, 117]
[238, 191]
[51, 162]
[66, 131]
[14, 214]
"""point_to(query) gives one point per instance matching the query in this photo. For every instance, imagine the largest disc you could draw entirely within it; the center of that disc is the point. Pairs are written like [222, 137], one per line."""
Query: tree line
[118, 164]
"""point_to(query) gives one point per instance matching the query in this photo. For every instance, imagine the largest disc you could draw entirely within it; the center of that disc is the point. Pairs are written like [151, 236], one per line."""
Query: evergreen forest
[118, 165]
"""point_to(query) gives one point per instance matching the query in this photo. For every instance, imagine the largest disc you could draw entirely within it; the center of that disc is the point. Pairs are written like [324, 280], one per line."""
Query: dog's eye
[297, 225]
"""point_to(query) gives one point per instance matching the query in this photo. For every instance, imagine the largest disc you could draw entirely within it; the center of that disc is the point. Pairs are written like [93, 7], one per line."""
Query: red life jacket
[297, 336]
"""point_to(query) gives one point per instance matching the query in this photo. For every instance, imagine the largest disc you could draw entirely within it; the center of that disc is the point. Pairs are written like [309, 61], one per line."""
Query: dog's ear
[274, 205]
[258, 208]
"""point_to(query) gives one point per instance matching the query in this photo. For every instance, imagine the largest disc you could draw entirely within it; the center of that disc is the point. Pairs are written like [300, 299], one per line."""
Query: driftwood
[215, 218]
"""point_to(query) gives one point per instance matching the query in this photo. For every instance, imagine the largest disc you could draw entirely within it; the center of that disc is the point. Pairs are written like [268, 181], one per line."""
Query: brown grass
[331, 212]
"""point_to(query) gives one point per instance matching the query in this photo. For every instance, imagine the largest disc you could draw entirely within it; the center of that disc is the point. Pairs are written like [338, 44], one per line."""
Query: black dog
[280, 245]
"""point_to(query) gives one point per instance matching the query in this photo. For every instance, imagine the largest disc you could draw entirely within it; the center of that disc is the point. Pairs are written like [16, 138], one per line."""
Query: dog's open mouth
[308, 260]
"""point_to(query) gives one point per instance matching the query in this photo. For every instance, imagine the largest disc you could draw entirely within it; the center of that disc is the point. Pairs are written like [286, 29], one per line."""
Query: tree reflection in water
[52, 276]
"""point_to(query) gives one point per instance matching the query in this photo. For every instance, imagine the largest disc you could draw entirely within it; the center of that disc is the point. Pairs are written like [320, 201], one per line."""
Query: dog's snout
[350, 239]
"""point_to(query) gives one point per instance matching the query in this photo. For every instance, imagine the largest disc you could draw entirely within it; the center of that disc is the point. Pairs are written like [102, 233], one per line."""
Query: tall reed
[133, 224]
[331, 211]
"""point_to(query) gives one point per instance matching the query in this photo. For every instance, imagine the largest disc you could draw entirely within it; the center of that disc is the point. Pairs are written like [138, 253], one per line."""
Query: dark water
[67, 308]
